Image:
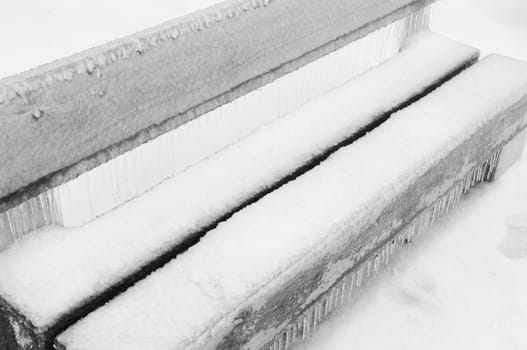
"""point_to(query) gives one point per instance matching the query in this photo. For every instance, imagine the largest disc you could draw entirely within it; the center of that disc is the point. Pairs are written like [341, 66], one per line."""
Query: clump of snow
[289, 227]
[54, 270]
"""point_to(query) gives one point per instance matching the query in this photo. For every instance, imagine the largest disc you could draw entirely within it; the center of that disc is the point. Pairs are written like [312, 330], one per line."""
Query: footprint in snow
[514, 245]
[419, 292]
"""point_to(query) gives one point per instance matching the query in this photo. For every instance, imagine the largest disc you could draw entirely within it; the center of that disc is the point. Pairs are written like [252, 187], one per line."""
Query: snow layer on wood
[118, 180]
[462, 286]
[54, 270]
[286, 229]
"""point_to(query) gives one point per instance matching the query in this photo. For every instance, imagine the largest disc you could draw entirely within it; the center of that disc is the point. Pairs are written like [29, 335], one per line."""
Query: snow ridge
[86, 63]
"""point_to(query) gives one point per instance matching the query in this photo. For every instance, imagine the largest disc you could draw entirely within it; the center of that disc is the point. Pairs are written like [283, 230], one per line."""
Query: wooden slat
[65, 118]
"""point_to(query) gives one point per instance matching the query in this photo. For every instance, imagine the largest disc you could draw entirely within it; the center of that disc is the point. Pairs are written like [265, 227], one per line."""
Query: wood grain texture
[52, 130]
[16, 332]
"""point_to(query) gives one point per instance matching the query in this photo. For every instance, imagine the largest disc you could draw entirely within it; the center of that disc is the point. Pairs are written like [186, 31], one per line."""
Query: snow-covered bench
[55, 276]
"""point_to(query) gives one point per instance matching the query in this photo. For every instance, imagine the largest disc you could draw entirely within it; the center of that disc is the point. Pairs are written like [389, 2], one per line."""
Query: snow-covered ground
[492, 26]
[463, 285]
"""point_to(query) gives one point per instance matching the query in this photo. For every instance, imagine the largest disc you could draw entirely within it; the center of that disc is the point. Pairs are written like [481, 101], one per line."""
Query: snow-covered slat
[105, 187]
[53, 276]
[247, 279]
[66, 117]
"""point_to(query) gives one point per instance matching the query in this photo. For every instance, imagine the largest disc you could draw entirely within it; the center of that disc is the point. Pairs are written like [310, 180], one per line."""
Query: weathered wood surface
[16, 331]
[67, 117]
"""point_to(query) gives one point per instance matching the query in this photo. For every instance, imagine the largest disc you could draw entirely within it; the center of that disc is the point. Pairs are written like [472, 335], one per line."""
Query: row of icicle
[345, 289]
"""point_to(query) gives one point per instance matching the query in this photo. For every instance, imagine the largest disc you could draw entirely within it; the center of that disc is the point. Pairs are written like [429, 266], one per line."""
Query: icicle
[351, 285]
[343, 292]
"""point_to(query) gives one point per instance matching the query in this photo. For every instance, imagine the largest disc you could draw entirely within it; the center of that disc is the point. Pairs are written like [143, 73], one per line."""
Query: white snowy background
[462, 285]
